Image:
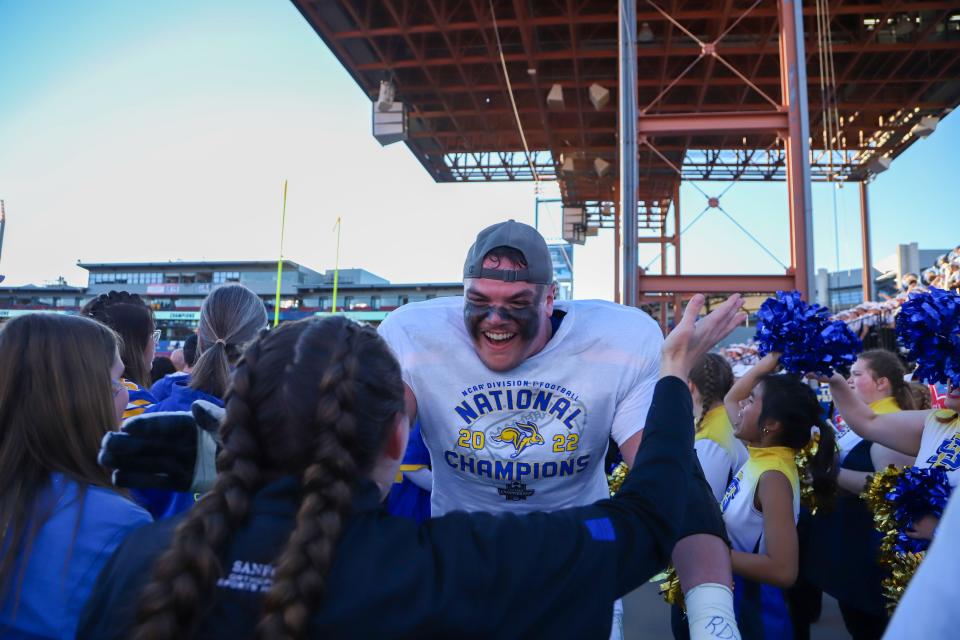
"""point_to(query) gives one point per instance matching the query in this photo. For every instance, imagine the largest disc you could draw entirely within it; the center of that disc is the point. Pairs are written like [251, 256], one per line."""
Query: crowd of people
[870, 317]
[444, 474]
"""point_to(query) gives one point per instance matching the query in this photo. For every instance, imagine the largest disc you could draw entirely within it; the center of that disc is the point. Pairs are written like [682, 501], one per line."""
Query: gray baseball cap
[516, 235]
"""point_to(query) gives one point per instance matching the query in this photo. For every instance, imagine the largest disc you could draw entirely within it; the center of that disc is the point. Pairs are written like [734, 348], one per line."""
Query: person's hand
[833, 379]
[923, 528]
[768, 363]
[175, 451]
[693, 337]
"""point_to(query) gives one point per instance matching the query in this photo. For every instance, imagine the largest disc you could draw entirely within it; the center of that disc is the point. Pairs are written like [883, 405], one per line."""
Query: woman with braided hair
[292, 541]
[130, 317]
[720, 453]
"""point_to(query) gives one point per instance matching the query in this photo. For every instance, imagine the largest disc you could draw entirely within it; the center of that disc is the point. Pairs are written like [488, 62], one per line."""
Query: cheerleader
[931, 438]
[719, 451]
[774, 415]
[841, 546]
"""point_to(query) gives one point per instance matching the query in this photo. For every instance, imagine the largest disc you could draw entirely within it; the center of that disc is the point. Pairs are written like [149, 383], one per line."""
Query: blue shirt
[67, 555]
[161, 388]
[181, 396]
[160, 502]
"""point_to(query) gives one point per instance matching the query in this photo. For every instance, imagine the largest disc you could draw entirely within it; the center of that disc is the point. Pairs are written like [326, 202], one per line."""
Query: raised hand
[695, 336]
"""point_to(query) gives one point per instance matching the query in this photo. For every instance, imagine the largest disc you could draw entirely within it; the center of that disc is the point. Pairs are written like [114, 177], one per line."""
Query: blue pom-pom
[918, 492]
[928, 326]
[805, 336]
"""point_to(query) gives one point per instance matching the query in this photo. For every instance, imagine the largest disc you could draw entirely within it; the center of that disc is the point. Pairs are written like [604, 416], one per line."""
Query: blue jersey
[139, 399]
[406, 498]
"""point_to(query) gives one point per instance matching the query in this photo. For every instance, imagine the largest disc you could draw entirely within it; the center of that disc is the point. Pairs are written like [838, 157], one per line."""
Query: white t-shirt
[940, 443]
[532, 438]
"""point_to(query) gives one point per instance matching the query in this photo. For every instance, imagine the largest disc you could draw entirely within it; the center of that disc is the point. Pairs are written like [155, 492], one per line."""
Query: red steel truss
[710, 88]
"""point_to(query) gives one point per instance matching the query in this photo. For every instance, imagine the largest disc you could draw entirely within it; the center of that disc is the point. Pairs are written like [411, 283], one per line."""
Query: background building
[841, 290]
[176, 290]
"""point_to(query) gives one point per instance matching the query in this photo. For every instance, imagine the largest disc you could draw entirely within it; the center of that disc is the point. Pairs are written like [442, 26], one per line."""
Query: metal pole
[677, 311]
[629, 176]
[616, 253]
[867, 281]
[3, 224]
[793, 78]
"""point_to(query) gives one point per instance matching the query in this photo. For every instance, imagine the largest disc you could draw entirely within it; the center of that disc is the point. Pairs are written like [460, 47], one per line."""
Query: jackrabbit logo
[521, 435]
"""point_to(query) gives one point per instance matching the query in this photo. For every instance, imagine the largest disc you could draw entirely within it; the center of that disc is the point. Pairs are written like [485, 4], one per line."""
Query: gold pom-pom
[802, 459]
[902, 567]
[670, 589]
[875, 495]
[616, 477]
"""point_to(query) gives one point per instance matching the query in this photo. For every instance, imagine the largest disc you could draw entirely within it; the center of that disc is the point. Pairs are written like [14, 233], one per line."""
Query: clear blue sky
[164, 130]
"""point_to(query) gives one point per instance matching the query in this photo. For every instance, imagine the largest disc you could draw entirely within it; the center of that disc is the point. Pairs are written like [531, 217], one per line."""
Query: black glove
[166, 450]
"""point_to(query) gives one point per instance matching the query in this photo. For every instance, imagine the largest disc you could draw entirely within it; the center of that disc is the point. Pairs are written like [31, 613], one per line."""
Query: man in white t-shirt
[518, 395]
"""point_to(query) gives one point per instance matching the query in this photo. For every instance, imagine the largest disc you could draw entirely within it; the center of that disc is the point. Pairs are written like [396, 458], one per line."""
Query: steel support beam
[867, 282]
[629, 173]
[714, 284]
[794, 78]
[745, 122]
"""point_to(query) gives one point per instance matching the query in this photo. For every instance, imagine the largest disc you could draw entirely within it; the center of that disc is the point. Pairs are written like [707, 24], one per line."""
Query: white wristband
[710, 612]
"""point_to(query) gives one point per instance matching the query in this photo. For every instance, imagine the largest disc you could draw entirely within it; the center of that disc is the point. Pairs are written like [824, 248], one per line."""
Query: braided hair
[130, 317]
[713, 377]
[314, 399]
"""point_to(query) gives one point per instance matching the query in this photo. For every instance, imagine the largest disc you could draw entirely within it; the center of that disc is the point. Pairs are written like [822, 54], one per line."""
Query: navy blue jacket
[465, 575]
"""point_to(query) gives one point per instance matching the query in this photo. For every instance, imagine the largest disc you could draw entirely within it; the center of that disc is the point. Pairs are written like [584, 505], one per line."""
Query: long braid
[299, 583]
[185, 574]
[713, 378]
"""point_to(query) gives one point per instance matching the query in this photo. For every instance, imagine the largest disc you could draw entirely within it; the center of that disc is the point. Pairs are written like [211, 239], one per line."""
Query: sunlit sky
[136, 131]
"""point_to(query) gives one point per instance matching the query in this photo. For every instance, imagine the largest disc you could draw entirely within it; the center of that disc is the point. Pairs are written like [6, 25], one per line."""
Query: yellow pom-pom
[616, 477]
[670, 589]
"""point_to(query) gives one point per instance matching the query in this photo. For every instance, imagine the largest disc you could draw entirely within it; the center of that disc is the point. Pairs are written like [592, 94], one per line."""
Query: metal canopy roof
[893, 63]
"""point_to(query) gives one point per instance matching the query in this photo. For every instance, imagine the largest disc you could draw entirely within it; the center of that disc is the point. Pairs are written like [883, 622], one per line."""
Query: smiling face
[748, 422]
[952, 400]
[507, 321]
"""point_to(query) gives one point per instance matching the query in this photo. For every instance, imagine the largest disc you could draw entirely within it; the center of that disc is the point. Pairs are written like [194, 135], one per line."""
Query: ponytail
[211, 374]
[822, 468]
[230, 318]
